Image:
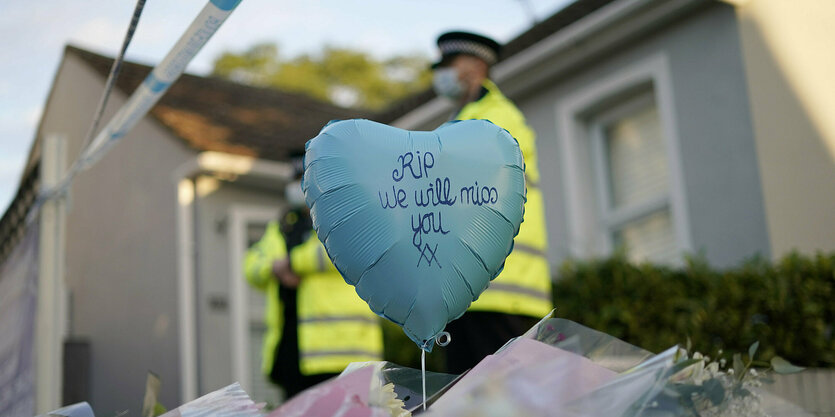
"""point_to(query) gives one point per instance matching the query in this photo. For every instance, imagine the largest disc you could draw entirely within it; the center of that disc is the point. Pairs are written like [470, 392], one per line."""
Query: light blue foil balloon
[418, 222]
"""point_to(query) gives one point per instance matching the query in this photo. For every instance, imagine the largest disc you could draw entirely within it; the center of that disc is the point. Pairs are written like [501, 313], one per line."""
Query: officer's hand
[285, 275]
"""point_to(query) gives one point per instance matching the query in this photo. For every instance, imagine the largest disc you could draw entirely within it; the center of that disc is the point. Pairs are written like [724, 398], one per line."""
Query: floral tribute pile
[557, 368]
[560, 368]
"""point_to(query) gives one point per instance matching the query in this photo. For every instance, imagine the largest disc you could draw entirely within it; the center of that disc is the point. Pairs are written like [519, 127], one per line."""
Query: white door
[247, 225]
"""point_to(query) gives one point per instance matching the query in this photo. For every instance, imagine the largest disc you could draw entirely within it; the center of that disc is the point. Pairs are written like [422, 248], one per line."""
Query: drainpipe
[186, 287]
[51, 301]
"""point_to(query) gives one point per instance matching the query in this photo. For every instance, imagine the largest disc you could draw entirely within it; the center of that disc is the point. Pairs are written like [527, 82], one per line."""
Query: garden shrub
[788, 306]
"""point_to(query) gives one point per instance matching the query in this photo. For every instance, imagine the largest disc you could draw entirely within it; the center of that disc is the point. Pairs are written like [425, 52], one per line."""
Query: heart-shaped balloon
[418, 222]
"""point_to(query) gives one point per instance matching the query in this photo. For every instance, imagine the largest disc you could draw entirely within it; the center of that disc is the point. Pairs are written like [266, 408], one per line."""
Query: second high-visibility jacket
[335, 326]
[524, 285]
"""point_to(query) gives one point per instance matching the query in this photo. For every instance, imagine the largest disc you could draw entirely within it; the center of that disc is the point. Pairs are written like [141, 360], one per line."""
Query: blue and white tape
[159, 80]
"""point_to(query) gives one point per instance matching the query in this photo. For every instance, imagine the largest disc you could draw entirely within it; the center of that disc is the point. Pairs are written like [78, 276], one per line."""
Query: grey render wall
[719, 165]
[121, 259]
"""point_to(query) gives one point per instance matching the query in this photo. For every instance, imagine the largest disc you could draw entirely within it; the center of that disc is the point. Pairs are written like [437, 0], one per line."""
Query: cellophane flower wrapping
[366, 389]
[550, 370]
[557, 368]
[81, 409]
[561, 368]
[228, 401]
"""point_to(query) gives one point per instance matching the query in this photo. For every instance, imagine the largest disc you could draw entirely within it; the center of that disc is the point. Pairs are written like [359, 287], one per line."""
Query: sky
[34, 34]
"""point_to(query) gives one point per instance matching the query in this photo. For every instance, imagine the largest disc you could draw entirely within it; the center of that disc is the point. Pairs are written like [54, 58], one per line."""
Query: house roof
[563, 18]
[14, 219]
[212, 114]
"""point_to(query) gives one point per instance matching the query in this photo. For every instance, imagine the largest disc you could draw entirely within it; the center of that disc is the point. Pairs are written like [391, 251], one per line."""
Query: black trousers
[477, 334]
[296, 227]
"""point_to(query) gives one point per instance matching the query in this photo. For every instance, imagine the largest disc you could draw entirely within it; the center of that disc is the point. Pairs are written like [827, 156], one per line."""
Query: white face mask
[446, 84]
[294, 194]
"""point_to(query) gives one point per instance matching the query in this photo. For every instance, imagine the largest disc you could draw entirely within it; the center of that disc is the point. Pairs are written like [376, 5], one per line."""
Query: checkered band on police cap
[454, 43]
[460, 46]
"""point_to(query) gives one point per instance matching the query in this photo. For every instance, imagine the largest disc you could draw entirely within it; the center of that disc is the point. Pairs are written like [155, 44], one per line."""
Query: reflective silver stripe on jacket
[331, 319]
[349, 352]
[518, 289]
[521, 247]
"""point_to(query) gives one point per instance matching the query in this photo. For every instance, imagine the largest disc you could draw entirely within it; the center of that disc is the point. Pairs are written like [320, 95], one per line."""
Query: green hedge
[788, 306]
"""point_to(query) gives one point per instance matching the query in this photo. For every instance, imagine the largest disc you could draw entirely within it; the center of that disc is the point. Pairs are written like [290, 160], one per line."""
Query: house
[673, 127]
[665, 126]
[156, 229]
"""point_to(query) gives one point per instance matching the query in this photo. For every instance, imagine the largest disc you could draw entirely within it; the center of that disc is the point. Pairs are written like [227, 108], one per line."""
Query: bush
[787, 306]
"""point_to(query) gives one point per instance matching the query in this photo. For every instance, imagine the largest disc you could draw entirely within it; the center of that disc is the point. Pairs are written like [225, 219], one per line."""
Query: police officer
[316, 323]
[521, 294]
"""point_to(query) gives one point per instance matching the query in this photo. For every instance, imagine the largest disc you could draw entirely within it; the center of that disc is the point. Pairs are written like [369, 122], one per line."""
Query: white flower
[713, 369]
[387, 399]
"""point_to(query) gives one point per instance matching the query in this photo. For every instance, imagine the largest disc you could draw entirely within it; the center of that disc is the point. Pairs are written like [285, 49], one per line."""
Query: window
[633, 178]
[620, 166]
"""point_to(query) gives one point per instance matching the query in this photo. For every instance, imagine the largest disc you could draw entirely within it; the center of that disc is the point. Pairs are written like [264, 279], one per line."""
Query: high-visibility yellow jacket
[524, 286]
[335, 326]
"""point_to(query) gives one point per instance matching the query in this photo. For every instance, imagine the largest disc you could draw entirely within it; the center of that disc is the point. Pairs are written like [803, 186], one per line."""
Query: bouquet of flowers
[710, 388]
[367, 389]
[557, 368]
[560, 368]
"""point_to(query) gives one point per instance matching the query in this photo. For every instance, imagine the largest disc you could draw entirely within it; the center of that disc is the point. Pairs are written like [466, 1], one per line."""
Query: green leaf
[752, 350]
[724, 406]
[714, 391]
[686, 390]
[682, 365]
[686, 394]
[739, 367]
[159, 409]
[782, 366]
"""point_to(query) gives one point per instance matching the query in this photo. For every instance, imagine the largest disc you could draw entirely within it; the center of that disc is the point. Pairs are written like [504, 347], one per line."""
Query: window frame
[581, 150]
[611, 217]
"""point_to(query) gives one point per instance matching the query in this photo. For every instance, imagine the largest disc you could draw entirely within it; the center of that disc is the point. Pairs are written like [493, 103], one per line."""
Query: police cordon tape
[150, 91]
